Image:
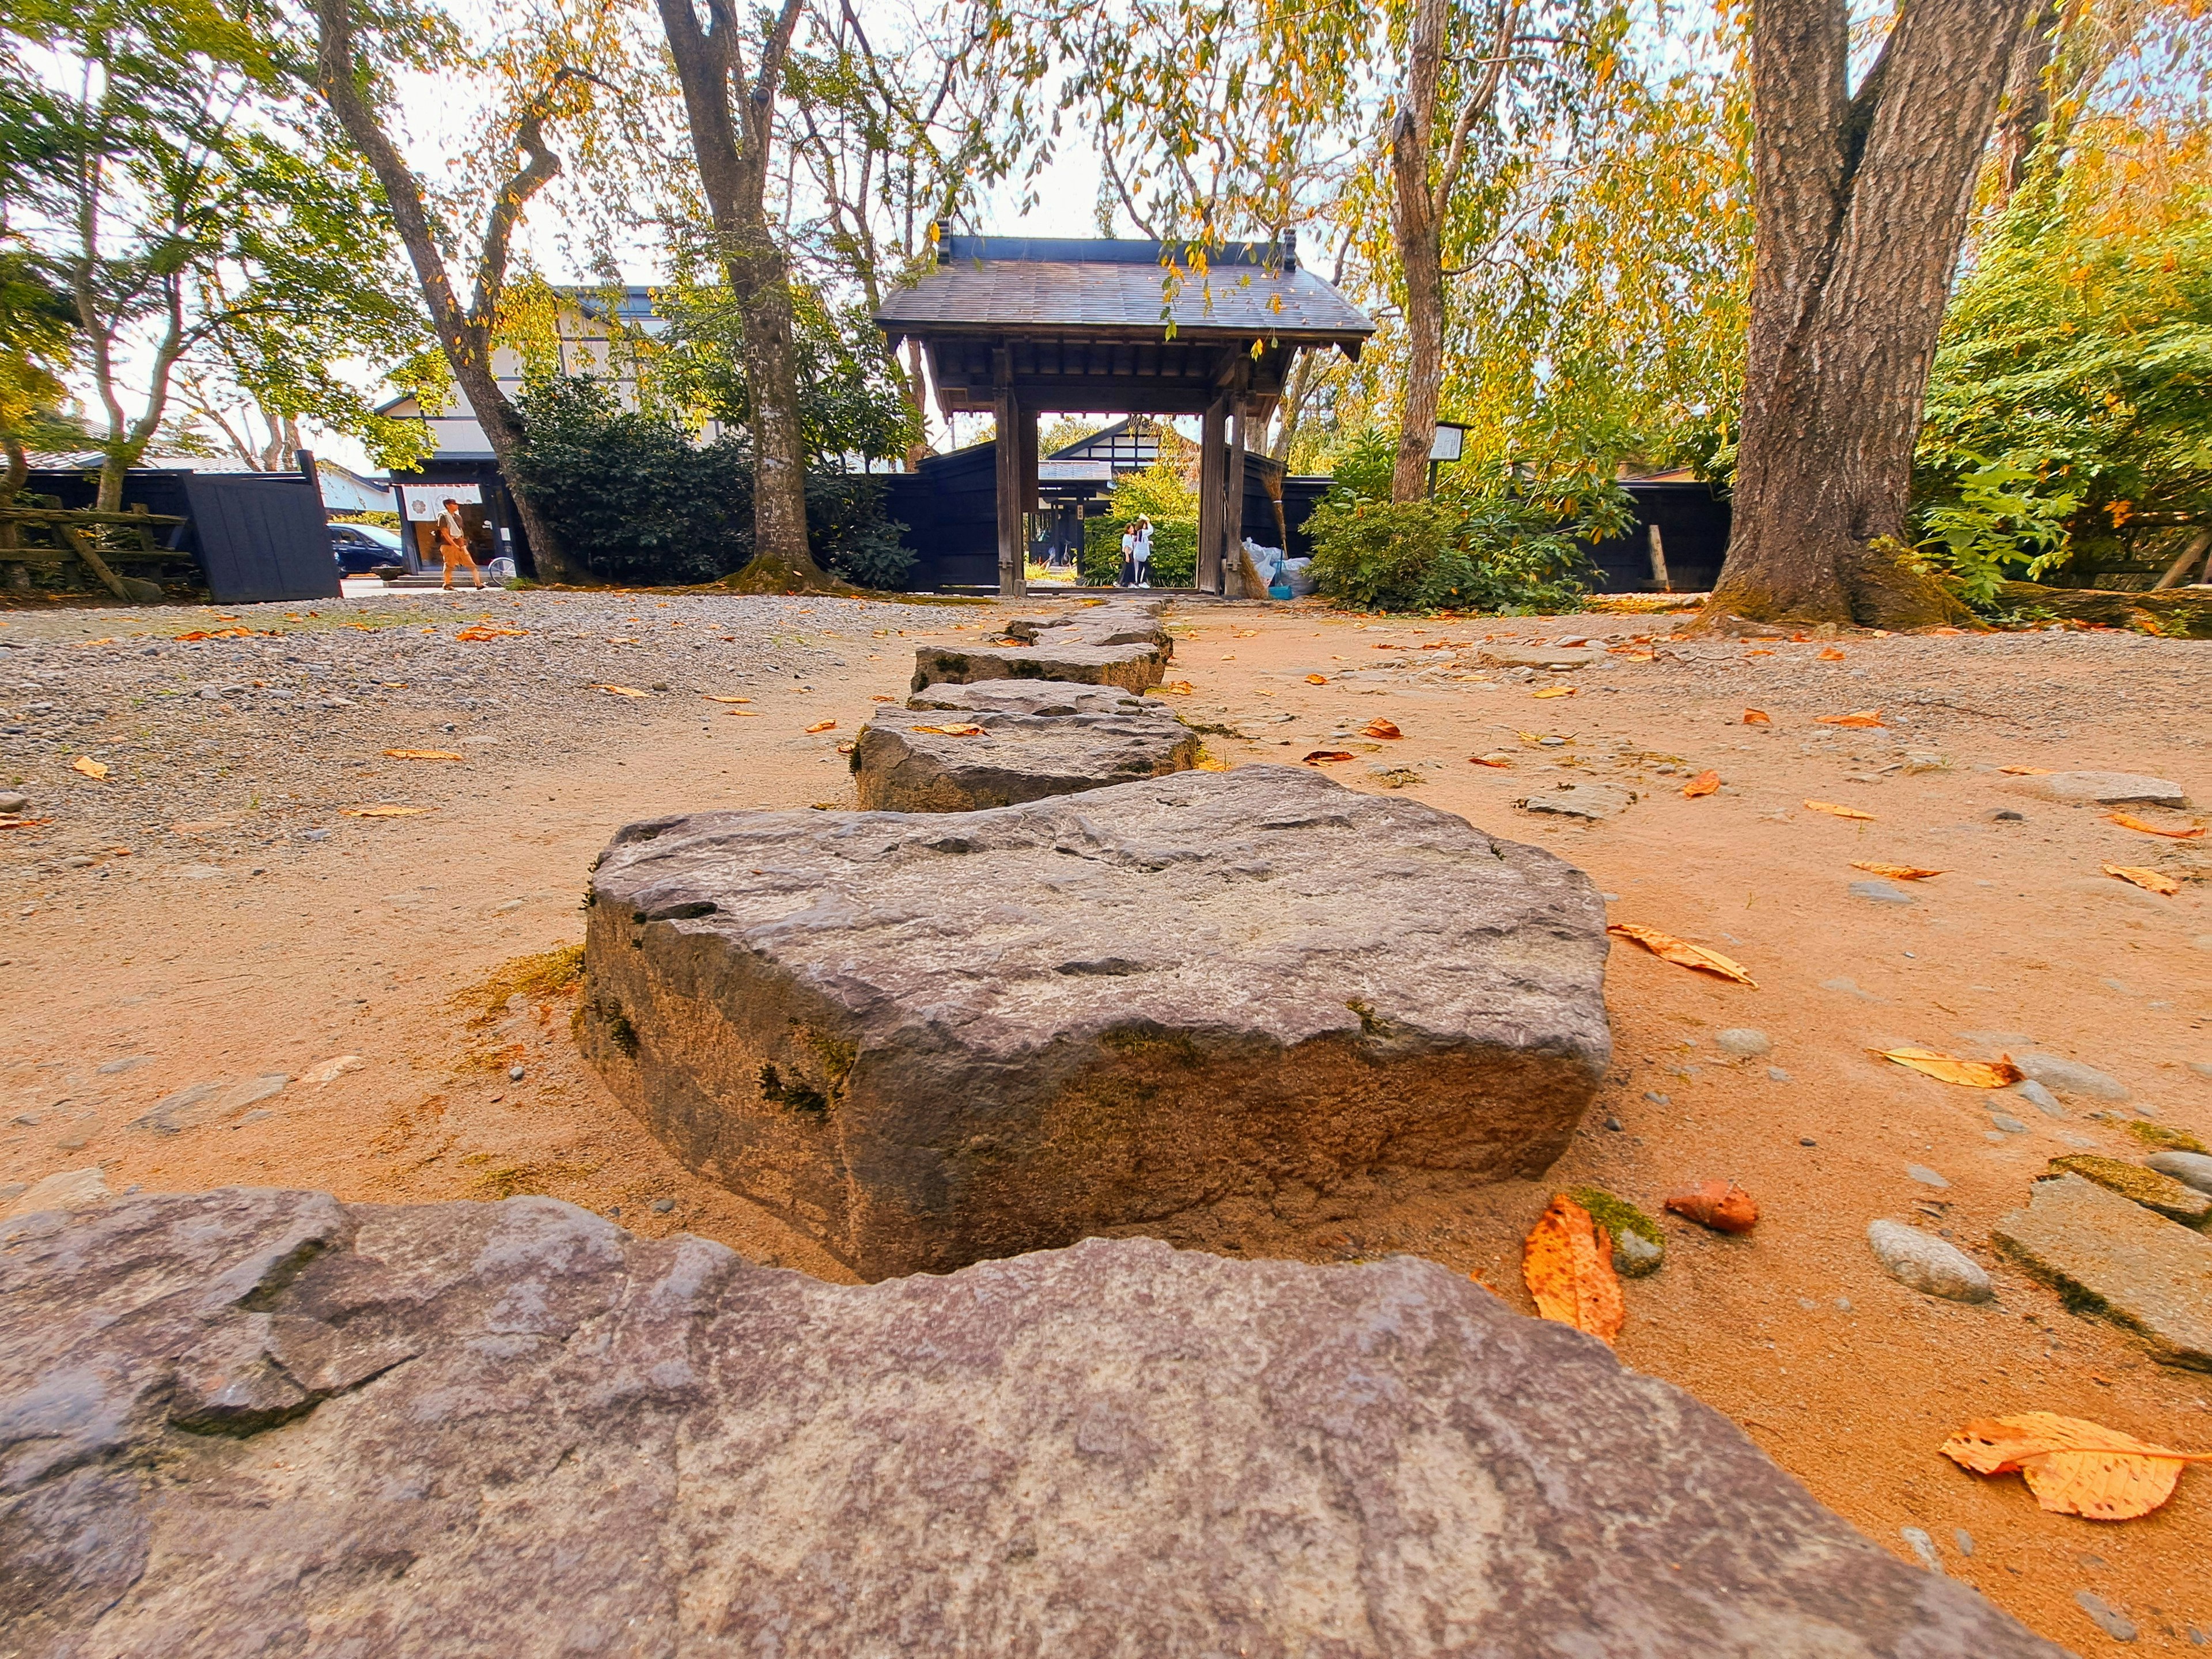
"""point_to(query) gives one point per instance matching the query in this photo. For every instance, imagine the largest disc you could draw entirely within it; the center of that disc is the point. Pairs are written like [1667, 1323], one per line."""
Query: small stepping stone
[931, 760]
[2103, 788]
[2147, 1188]
[929, 1040]
[2109, 1257]
[2189, 1169]
[2071, 1077]
[1590, 802]
[1123, 644]
[1561, 657]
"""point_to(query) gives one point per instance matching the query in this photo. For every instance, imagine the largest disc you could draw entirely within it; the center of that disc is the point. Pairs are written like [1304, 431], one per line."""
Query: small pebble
[1927, 1265]
[663, 1206]
[1807, 1140]
[1964, 1540]
[1924, 1175]
[2006, 814]
[514, 1074]
[2039, 1097]
[1881, 892]
[1743, 1042]
[2011, 1126]
[13, 801]
[1655, 1099]
[1776, 1074]
[1843, 1304]
[2119, 1629]
[1923, 1546]
[1614, 1124]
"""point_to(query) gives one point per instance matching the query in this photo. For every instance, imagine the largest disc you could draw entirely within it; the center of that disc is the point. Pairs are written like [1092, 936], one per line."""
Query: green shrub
[637, 500]
[1460, 553]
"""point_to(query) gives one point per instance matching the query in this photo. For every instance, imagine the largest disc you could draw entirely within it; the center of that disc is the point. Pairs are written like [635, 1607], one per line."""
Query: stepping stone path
[2107, 1255]
[1121, 643]
[446, 1428]
[929, 1040]
[1038, 738]
[2103, 788]
[1590, 802]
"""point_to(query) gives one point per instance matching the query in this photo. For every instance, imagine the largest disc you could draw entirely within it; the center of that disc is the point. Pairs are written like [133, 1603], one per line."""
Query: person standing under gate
[1143, 552]
[1128, 576]
[453, 544]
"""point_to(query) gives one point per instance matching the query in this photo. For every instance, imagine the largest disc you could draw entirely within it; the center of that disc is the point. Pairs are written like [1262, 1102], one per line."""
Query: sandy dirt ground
[153, 996]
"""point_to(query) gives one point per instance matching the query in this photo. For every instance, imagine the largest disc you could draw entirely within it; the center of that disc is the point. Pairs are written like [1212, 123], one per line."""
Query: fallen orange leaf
[880, 696]
[1379, 727]
[1863, 717]
[1554, 692]
[1682, 953]
[1703, 784]
[2027, 771]
[1758, 653]
[1317, 679]
[621, 691]
[489, 633]
[1488, 760]
[2130, 821]
[91, 768]
[950, 730]
[1325, 756]
[1830, 655]
[1176, 688]
[1721, 1205]
[383, 811]
[22, 823]
[422, 754]
[1756, 717]
[1947, 1068]
[1839, 811]
[1902, 871]
[821, 725]
[711, 697]
[1567, 1264]
[2073, 1467]
[2151, 881]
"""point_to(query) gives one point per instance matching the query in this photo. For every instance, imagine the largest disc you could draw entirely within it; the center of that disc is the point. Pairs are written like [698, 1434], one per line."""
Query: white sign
[426, 501]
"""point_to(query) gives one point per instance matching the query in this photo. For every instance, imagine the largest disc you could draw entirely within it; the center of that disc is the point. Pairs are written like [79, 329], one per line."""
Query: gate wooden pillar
[1213, 477]
[1232, 517]
[1013, 577]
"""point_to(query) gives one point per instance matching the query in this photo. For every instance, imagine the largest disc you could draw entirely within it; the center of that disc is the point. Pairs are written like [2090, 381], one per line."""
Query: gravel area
[222, 732]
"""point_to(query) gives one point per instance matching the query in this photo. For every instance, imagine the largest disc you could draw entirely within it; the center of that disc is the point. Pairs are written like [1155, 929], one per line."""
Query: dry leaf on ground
[1379, 727]
[2073, 1467]
[489, 633]
[1554, 692]
[1207, 763]
[621, 691]
[1326, 757]
[1703, 784]
[2151, 881]
[1830, 655]
[1757, 717]
[422, 754]
[1567, 1264]
[1839, 811]
[1489, 760]
[1996, 1074]
[383, 811]
[711, 697]
[22, 823]
[91, 768]
[821, 725]
[967, 731]
[1902, 871]
[2025, 771]
[1721, 1205]
[1859, 718]
[1683, 953]
[1175, 688]
[743, 713]
[1317, 679]
[2130, 821]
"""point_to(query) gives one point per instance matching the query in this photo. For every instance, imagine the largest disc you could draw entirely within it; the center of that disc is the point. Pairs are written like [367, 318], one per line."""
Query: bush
[1460, 553]
[637, 500]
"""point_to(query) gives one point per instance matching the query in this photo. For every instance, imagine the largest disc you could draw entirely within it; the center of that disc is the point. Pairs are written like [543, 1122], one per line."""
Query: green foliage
[1161, 494]
[639, 501]
[1472, 552]
[2069, 415]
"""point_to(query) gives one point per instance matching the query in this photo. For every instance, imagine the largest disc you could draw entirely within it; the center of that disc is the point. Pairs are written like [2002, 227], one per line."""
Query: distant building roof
[984, 284]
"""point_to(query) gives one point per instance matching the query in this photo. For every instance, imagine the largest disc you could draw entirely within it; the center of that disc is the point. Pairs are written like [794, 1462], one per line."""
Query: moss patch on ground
[1618, 1215]
[2145, 1186]
[2165, 1139]
[547, 974]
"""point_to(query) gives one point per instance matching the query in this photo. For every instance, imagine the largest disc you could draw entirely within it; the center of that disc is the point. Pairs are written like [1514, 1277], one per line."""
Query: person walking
[1144, 551]
[453, 544]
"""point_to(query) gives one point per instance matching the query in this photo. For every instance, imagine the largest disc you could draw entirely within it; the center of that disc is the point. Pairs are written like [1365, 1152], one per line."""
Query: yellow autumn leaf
[1860, 718]
[383, 811]
[1554, 691]
[1839, 811]
[1175, 688]
[711, 697]
[621, 691]
[1682, 953]
[2074, 1467]
[821, 725]
[422, 754]
[2151, 881]
[1703, 784]
[1900, 872]
[91, 768]
[2130, 821]
[1998, 1073]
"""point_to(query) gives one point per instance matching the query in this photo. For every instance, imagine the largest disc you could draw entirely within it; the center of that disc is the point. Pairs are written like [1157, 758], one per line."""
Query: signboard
[426, 501]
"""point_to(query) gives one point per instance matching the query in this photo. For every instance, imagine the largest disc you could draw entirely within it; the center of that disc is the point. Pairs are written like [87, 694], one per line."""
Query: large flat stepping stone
[1123, 644]
[2108, 1255]
[1031, 697]
[926, 1041]
[937, 760]
[245, 1421]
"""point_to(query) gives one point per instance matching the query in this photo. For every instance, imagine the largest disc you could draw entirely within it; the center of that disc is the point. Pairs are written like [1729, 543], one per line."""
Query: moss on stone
[2165, 1139]
[2145, 1186]
[1618, 1215]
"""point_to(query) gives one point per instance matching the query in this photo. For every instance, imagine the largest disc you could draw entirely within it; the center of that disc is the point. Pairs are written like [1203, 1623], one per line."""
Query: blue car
[361, 548]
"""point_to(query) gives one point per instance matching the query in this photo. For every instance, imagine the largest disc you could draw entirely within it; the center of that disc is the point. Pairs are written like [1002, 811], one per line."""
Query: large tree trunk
[465, 335]
[1861, 205]
[2026, 99]
[1416, 227]
[732, 148]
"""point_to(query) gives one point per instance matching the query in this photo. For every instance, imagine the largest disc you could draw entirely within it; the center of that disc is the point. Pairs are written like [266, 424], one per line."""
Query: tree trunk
[1416, 227]
[1861, 203]
[2026, 99]
[465, 336]
[732, 148]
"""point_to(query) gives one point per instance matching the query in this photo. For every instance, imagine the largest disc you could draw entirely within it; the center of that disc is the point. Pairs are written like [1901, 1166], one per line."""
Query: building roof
[991, 284]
